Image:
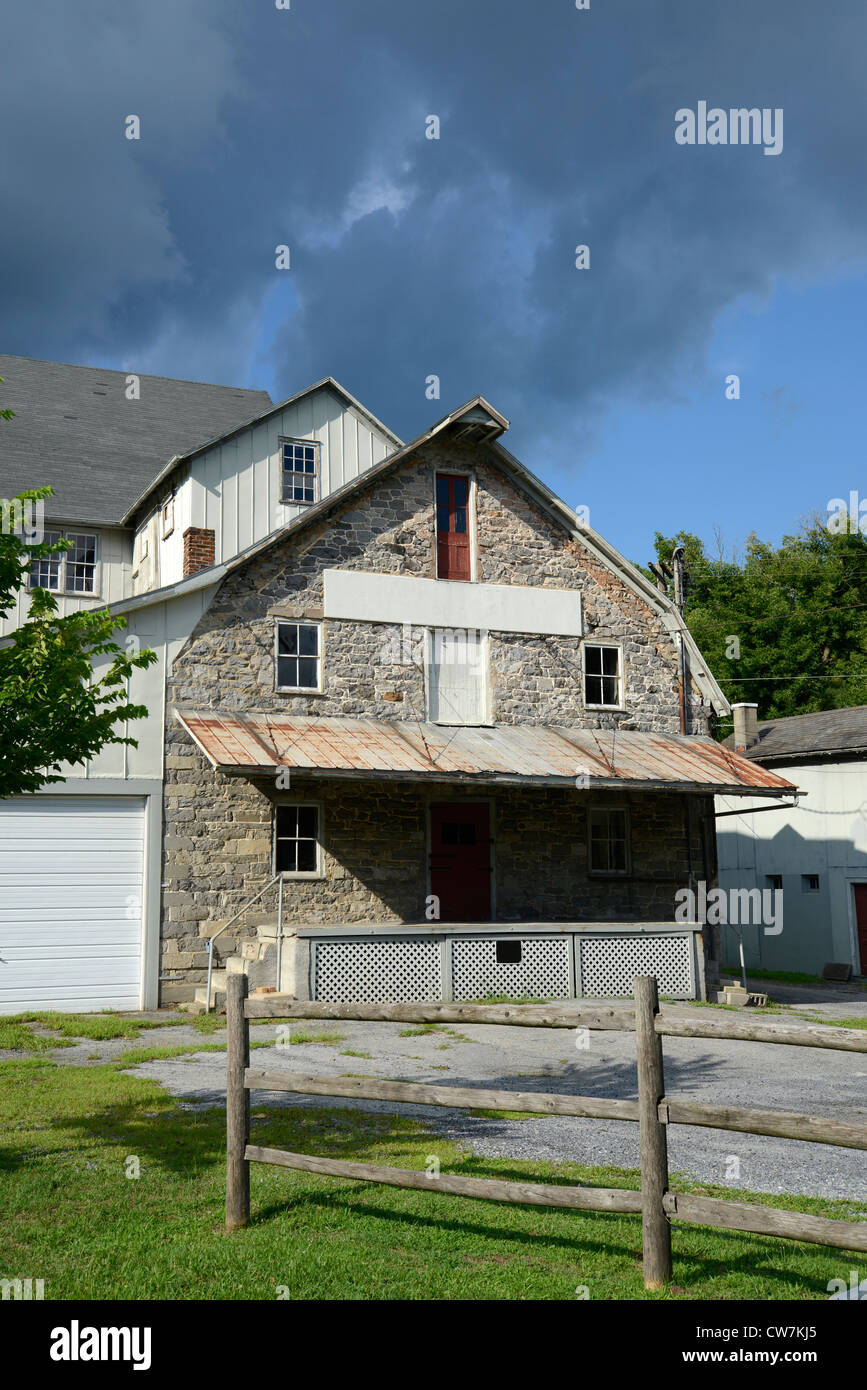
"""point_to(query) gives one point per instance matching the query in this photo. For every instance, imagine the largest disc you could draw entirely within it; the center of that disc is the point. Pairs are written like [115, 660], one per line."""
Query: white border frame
[295, 875]
[301, 689]
[317, 486]
[620, 707]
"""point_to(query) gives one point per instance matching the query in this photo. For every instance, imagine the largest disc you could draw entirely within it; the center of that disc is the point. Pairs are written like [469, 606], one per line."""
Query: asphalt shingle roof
[75, 429]
[826, 731]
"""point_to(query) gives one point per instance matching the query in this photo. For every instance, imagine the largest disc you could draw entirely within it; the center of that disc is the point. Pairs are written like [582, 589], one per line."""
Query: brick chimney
[198, 550]
[746, 726]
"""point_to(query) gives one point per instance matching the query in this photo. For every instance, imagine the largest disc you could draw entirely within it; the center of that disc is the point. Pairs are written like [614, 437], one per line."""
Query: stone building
[446, 743]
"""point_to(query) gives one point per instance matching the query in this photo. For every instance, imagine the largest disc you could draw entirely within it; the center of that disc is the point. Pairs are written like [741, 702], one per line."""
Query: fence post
[237, 1104]
[655, 1228]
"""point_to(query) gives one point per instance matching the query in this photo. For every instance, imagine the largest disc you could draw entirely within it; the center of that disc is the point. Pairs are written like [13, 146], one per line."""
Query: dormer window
[300, 463]
[453, 526]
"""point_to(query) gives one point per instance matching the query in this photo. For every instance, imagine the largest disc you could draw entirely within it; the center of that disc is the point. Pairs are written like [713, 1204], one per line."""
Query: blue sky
[455, 257]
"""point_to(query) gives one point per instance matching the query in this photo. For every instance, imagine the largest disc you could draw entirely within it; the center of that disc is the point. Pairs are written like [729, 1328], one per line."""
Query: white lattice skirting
[393, 969]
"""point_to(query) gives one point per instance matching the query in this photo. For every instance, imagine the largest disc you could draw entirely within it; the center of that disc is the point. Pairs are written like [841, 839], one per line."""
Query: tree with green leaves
[785, 627]
[54, 707]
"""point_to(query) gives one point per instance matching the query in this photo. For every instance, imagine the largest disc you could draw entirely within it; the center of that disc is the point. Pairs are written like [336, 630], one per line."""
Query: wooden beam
[596, 1017]
[593, 1016]
[817, 1129]
[456, 1097]
[613, 1199]
[766, 1221]
[762, 1030]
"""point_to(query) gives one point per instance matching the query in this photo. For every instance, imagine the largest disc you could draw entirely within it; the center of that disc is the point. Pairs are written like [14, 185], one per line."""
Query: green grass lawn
[72, 1217]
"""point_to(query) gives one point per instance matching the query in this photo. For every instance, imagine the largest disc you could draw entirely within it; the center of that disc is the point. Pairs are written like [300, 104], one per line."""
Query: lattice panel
[609, 964]
[544, 968]
[377, 971]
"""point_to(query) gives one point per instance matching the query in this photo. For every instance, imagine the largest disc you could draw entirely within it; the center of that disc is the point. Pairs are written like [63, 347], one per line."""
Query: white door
[71, 891]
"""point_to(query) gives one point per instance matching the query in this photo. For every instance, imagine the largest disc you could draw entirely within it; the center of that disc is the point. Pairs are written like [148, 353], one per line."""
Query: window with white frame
[297, 841]
[602, 675]
[608, 830]
[456, 668]
[167, 515]
[72, 571]
[45, 572]
[299, 656]
[300, 464]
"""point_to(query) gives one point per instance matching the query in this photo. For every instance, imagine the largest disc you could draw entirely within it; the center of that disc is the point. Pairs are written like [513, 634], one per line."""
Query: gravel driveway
[734, 1073]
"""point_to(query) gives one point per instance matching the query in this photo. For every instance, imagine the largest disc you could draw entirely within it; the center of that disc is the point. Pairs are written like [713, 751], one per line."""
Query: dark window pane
[306, 856]
[609, 661]
[461, 522]
[593, 660]
[286, 856]
[307, 674]
[609, 691]
[287, 671]
[287, 821]
[287, 639]
[443, 491]
[467, 833]
[594, 690]
[460, 492]
[449, 832]
[618, 854]
[307, 817]
[308, 641]
[442, 518]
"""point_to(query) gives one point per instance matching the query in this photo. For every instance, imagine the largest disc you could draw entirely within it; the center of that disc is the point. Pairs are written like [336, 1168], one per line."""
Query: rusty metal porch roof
[526, 754]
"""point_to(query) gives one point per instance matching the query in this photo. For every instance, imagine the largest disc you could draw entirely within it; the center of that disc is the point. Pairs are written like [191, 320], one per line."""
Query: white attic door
[456, 661]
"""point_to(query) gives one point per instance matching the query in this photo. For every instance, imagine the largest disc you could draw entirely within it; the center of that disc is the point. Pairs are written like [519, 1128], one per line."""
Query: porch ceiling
[526, 754]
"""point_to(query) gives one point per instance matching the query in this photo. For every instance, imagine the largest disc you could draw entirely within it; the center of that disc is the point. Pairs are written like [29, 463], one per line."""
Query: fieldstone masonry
[219, 830]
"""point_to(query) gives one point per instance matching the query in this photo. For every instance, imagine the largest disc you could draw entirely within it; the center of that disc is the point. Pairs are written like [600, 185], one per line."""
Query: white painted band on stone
[363, 596]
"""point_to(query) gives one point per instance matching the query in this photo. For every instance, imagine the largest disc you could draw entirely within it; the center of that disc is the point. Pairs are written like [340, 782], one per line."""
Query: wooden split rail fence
[653, 1111]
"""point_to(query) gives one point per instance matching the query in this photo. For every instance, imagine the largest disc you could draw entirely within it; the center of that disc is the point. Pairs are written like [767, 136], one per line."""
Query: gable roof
[479, 419]
[327, 383]
[822, 733]
[75, 430]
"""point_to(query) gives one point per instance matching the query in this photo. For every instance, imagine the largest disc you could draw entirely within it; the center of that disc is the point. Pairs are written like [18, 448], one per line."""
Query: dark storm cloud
[413, 257]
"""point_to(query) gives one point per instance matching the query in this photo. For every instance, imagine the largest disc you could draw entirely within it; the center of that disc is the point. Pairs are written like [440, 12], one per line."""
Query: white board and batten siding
[72, 889]
[114, 558]
[235, 487]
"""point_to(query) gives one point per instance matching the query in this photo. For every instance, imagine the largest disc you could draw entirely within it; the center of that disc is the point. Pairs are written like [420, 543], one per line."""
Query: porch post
[237, 1104]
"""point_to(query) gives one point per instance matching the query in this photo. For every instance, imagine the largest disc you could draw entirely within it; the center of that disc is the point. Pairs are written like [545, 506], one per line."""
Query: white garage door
[71, 876]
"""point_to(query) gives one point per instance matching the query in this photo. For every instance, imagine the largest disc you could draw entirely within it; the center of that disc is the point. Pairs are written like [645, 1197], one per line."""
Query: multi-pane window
[300, 472]
[45, 573]
[297, 840]
[609, 840]
[457, 676]
[453, 526]
[601, 675]
[298, 656]
[809, 883]
[80, 563]
[72, 571]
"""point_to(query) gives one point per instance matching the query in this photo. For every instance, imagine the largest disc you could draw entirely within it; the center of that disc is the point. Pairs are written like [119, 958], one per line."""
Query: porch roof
[524, 754]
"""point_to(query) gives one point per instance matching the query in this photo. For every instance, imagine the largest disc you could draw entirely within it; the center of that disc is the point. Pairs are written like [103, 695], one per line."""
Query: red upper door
[453, 527]
[460, 860]
[860, 890]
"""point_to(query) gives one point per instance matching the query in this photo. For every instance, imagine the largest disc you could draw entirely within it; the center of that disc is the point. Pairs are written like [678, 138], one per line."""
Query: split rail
[653, 1111]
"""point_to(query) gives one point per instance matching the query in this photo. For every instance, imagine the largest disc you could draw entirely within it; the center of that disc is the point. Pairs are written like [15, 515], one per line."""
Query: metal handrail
[278, 878]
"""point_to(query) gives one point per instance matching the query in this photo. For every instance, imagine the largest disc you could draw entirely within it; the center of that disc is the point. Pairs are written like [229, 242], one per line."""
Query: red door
[861, 922]
[453, 529]
[460, 860]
